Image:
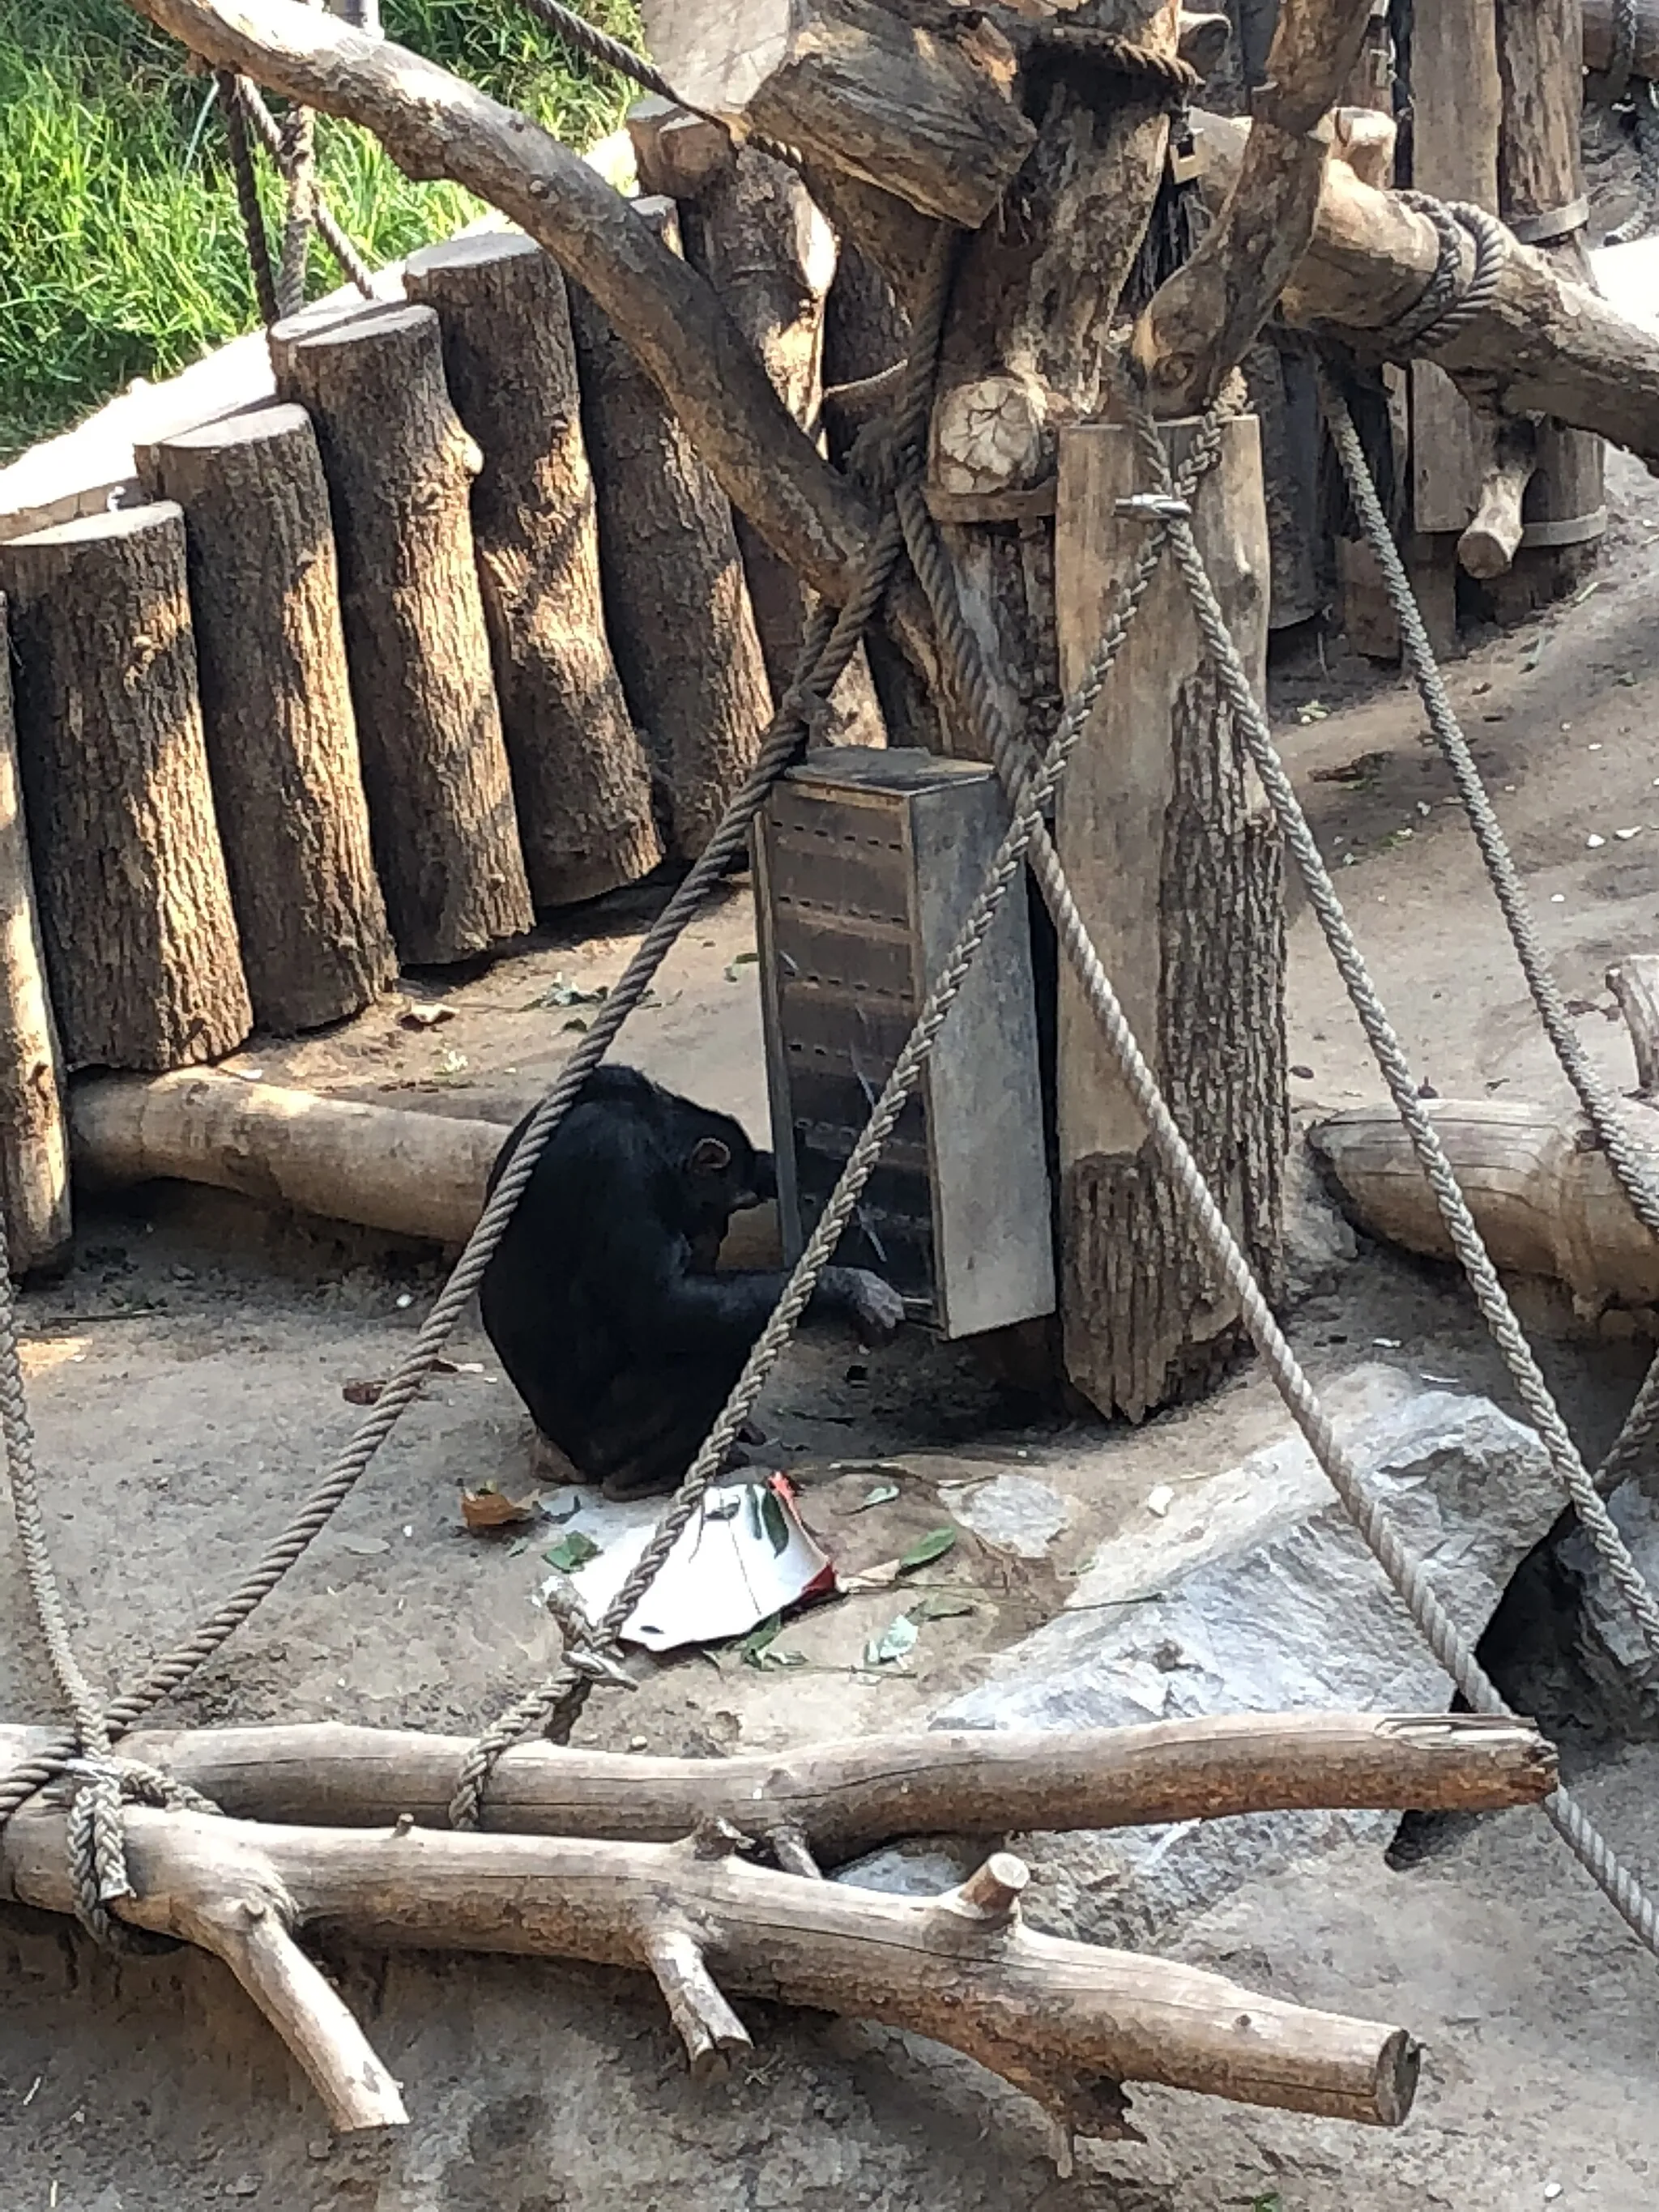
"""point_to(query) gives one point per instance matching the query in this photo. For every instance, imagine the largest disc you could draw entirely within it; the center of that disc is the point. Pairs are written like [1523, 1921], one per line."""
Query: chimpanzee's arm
[715, 1316]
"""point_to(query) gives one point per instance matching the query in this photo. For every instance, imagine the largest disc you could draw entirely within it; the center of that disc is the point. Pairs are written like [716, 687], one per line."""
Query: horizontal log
[381, 1167]
[843, 1798]
[1545, 346]
[1052, 2016]
[1543, 1194]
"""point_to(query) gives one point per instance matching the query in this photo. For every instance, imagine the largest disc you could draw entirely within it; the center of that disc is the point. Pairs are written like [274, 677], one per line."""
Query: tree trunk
[579, 774]
[1175, 867]
[865, 328]
[135, 908]
[676, 602]
[1540, 181]
[282, 741]
[756, 236]
[34, 1187]
[400, 469]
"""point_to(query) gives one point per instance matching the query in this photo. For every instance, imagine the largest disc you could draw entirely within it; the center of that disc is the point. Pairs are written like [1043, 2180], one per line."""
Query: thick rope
[557, 1703]
[247, 197]
[1621, 63]
[1640, 222]
[353, 267]
[1632, 1163]
[1404, 1569]
[1448, 305]
[299, 163]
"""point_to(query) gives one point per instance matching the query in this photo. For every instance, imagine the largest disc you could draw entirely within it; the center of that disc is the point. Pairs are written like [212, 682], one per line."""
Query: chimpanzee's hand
[874, 1308]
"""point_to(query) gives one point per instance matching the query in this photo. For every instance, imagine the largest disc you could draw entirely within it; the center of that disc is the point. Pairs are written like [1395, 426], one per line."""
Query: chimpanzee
[602, 1301]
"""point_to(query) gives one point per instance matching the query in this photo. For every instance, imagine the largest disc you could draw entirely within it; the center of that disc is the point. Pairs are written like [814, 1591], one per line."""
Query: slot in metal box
[866, 863]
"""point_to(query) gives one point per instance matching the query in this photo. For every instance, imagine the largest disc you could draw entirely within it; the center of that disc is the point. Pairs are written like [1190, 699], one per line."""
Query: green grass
[121, 251]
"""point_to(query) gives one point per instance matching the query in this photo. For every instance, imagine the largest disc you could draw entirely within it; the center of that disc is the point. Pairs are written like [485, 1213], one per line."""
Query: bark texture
[1540, 174]
[135, 908]
[282, 739]
[400, 469]
[1177, 868]
[34, 1187]
[771, 257]
[677, 602]
[579, 774]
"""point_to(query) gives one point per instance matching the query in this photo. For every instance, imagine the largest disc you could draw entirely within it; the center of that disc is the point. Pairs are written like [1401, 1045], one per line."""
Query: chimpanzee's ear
[710, 1157]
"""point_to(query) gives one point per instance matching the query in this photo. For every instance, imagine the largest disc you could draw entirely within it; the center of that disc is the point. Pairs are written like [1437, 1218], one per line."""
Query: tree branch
[841, 1798]
[1050, 2015]
[1545, 346]
[1203, 319]
[433, 125]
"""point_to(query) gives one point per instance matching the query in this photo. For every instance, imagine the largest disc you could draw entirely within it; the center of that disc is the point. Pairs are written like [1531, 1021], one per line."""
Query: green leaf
[883, 1494]
[774, 1522]
[743, 960]
[925, 1549]
[941, 1606]
[571, 1552]
[1269, 2200]
[898, 1638]
[754, 1643]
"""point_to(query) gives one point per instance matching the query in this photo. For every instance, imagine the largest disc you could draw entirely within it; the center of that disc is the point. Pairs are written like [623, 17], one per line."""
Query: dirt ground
[187, 1383]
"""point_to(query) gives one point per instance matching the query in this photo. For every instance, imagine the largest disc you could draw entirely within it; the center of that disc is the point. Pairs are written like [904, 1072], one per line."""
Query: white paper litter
[725, 1575]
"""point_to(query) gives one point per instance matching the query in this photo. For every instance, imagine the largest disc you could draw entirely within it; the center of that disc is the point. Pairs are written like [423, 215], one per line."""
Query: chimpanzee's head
[725, 1174]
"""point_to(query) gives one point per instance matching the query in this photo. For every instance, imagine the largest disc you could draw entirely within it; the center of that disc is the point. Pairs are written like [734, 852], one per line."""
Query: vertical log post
[135, 908]
[1456, 104]
[34, 1184]
[749, 225]
[579, 774]
[282, 741]
[400, 469]
[677, 604]
[1175, 865]
[1541, 183]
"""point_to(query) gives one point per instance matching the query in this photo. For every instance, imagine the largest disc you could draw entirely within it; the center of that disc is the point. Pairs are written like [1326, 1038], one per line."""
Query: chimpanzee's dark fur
[601, 1299]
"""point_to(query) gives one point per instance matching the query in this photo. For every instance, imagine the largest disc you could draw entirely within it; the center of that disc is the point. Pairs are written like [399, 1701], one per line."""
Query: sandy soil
[187, 1383]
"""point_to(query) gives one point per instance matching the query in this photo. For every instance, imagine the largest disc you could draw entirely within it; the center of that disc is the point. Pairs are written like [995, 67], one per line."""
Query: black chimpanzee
[602, 1301]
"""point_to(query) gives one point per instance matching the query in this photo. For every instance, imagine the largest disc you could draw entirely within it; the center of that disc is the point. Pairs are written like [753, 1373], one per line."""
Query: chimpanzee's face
[726, 1175]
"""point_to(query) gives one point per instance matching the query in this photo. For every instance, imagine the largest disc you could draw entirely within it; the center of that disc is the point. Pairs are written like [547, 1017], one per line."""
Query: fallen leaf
[571, 1552]
[489, 1507]
[425, 1014]
[872, 1578]
[925, 1549]
[895, 1640]
[366, 1547]
[743, 960]
[883, 1494]
[563, 992]
[362, 1392]
[941, 1606]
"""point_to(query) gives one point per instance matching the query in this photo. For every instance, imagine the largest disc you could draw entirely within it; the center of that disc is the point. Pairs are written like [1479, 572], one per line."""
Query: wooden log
[676, 601]
[413, 1174]
[1290, 461]
[842, 1799]
[1457, 112]
[924, 113]
[1052, 2016]
[1541, 183]
[1543, 1195]
[135, 908]
[34, 1184]
[1203, 320]
[1488, 546]
[1176, 866]
[282, 739]
[400, 469]
[769, 254]
[581, 778]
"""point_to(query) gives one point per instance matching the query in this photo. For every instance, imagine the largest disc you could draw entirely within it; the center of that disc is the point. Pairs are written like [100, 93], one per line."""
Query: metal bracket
[1153, 506]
